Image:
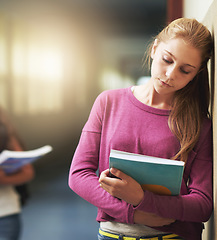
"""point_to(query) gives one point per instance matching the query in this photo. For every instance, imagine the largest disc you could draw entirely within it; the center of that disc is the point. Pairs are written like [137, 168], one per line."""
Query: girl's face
[175, 64]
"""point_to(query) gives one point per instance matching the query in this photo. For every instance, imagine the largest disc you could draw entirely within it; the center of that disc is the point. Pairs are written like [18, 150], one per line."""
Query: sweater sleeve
[196, 204]
[83, 179]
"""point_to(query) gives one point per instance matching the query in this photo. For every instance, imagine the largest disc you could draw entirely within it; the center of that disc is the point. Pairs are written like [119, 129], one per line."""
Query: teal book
[12, 161]
[158, 175]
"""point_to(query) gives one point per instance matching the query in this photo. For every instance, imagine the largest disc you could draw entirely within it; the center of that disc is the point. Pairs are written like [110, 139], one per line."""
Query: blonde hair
[190, 104]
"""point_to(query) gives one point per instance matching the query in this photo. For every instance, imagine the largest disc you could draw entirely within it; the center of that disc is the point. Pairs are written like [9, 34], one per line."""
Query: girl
[168, 118]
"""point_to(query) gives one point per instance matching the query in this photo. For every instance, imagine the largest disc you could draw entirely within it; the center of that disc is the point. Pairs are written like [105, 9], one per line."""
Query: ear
[154, 47]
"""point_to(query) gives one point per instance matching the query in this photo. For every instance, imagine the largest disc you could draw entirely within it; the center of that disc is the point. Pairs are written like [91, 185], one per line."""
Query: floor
[54, 212]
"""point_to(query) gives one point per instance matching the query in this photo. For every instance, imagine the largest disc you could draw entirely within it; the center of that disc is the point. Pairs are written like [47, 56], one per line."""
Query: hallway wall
[211, 21]
[196, 8]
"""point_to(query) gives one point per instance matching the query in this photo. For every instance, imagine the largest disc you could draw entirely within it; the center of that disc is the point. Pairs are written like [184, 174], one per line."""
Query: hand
[25, 174]
[123, 187]
[2, 176]
[151, 219]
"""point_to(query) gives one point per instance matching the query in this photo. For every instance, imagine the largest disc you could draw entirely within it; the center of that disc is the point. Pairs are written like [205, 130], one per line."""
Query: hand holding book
[121, 186]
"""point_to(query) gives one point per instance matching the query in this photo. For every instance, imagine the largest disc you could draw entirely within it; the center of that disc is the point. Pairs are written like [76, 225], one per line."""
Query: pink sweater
[119, 121]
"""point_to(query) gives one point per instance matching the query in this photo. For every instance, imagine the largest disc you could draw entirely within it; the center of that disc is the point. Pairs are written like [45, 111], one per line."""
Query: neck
[148, 95]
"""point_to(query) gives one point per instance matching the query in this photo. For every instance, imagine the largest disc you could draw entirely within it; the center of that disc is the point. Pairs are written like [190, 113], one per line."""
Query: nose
[171, 72]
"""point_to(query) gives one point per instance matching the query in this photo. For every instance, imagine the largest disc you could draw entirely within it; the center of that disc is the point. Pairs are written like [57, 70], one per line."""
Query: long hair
[190, 105]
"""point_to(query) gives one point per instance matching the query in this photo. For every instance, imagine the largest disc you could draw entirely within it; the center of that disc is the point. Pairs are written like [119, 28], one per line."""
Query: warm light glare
[45, 64]
[40, 67]
[31, 62]
[18, 60]
[51, 65]
[2, 57]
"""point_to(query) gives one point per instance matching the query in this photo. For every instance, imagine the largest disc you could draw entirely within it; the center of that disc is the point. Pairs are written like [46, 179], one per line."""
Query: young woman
[10, 202]
[168, 118]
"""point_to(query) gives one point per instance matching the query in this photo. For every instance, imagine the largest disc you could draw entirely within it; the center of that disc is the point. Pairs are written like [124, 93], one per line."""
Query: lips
[164, 83]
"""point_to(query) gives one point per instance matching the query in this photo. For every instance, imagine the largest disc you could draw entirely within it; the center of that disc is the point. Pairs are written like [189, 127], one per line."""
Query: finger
[106, 187]
[118, 173]
[112, 182]
[104, 174]
[106, 180]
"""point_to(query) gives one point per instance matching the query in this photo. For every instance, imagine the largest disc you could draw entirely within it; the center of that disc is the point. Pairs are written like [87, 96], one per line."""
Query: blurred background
[56, 56]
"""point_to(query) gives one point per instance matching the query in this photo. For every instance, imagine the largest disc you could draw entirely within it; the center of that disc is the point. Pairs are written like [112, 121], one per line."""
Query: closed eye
[170, 62]
[167, 61]
[183, 71]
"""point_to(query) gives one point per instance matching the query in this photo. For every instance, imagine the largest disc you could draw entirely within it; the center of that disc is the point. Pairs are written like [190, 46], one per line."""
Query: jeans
[10, 227]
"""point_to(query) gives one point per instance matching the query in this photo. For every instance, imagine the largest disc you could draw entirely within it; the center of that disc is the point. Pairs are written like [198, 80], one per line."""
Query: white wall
[196, 8]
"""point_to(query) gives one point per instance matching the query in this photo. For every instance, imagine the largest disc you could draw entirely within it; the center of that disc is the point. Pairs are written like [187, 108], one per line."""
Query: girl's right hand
[151, 219]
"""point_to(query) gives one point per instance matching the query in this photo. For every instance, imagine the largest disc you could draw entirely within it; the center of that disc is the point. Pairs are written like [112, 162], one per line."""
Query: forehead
[182, 51]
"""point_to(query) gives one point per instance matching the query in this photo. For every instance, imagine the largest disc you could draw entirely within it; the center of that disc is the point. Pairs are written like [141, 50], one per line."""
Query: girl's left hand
[123, 187]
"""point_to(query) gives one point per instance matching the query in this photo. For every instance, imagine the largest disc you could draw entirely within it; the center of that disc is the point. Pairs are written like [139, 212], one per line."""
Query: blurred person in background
[13, 191]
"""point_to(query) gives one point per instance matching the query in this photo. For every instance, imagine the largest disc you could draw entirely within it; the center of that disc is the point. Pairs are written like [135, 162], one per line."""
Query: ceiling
[112, 16]
[124, 16]
[117, 30]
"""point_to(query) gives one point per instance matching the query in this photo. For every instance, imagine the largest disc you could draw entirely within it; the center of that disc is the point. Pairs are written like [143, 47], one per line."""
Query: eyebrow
[175, 58]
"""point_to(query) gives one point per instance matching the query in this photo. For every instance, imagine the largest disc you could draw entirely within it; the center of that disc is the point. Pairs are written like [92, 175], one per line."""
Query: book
[158, 175]
[11, 161]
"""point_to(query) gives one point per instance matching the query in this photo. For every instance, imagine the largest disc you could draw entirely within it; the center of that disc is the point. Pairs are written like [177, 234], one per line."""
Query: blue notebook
[158, 175]
[12, 161]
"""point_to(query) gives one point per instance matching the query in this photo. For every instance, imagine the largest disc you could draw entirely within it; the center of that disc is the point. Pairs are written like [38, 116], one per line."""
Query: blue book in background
[158, 175]
[12, 161]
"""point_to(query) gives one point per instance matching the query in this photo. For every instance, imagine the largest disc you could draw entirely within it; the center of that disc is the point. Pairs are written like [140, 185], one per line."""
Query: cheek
[182, 83]
[157, 67]
[184, 80]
